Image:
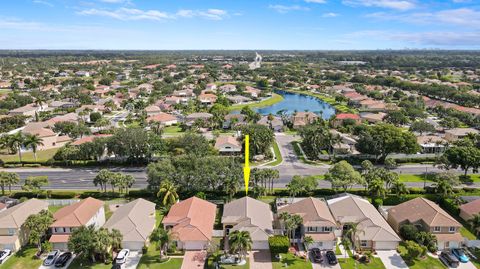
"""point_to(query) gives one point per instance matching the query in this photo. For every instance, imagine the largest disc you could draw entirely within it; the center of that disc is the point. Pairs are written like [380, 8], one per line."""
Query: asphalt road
[82, 178]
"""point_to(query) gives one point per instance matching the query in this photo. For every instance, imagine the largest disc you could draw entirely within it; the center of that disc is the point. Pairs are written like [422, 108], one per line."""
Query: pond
[299, 102]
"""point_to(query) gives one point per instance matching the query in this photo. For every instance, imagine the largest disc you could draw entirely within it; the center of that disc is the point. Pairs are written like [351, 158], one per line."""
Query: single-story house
[228, 145]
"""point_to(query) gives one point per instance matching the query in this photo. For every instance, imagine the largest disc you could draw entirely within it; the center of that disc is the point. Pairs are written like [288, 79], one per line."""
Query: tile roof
[77, 214]
[471, 208]
[314, 212]
[15, 216]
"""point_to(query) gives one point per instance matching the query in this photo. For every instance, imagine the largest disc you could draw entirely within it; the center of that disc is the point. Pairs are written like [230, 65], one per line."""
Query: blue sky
[239, 24]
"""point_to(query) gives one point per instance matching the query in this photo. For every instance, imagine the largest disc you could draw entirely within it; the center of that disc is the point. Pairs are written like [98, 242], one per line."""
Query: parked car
[462, 257]
[51, 257]
[4, 254]
[449, 259]
[317, 255]
[331, 258]
[122, 256]
[63, 259]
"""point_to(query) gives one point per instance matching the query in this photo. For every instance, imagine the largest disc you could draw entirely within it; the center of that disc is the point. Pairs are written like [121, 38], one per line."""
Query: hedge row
[278, 244]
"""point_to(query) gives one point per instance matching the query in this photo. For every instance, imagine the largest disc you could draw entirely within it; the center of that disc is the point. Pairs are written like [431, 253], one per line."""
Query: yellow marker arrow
[246, 168]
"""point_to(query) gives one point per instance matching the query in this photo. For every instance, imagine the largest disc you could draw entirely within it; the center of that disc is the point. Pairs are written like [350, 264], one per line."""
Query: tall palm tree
[240, 242]
[103, 242]
[8, 179]
[33, 141]
[475, 223]
[17, 141]
[308, 240]
[353, 233]
[399, 188]
[444, 188]
[168, 193]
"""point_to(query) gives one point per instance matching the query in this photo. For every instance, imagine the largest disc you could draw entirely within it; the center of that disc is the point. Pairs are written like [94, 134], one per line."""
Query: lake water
[299, 102]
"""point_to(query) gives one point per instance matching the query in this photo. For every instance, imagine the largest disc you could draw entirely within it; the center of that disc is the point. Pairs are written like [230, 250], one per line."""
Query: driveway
[391, 259]
[53, 266]
[468, 265]
[324, 264]
[133, 260]
[260, 259]
[193, 259]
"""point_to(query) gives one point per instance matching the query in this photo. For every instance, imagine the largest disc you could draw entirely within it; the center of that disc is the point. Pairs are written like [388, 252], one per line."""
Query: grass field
[151, 260]
[292, 261]
[349, 263]
[267, 102]
[42, 156]
[54, 208]
[23, 259]
[278, 155]
[82, 264]
[174, 129]
[412, 178]
[427, 262]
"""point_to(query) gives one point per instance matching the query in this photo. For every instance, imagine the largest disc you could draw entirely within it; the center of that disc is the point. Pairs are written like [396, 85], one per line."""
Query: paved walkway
[391, 259]
[260, 259]
[193, 259]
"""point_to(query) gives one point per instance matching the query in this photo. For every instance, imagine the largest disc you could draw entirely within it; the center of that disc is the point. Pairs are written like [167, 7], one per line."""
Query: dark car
[63, 259]
[316, 255]
[449, 259]
[331, 258]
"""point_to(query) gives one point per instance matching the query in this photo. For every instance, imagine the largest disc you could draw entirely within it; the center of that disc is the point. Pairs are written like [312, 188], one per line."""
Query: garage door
[385, 245]
[133, 245]
[260, 245]
[194, 245]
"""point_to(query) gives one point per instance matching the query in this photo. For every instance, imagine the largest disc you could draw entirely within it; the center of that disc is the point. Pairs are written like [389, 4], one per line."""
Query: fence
[61, 202]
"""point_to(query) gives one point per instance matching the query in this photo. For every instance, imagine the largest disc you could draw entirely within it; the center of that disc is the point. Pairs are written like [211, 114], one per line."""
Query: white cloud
[330, 15]
[285, 9]
[41, 2]
[132, 14]
[391, 4]
[460, 17]
[316, 1]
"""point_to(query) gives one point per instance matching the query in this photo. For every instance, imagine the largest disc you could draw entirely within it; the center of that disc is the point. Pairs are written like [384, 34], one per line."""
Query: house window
[436, 229]
[326, 229]
[452, 229]
[363, 243]
[11, 231]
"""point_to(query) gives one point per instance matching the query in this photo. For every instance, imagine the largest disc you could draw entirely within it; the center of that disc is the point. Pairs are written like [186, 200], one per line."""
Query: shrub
[278, 244]
[63, 195]
[143, 193]
[408, 231]
[377, 202]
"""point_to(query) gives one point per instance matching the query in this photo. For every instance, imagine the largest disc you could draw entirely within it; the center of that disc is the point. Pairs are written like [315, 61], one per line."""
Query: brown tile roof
[222, 140]
[193, 219]
[422, 209]
[471, 208]
[314, 212]
[77, 214]
[59, 238]
[15, 216]
[89, 138]
[161, 117]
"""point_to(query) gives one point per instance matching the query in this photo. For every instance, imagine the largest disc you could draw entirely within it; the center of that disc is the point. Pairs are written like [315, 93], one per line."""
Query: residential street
[81, 178]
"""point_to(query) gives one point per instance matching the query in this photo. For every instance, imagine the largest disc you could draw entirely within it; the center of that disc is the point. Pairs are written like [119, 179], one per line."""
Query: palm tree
[399, 188]
[308, 240]
[444, 188]
[163, 238]
[8, 179]
[17, 141]
[290, 223]
[103, 242]
[33, 141]
[475, 223]
[346, 245]
[168, 193]
[240, 242]
[116, 238]
[352, 233]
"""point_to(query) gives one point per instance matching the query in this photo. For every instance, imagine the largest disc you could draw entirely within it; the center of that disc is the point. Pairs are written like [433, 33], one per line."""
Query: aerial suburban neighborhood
[300, 134]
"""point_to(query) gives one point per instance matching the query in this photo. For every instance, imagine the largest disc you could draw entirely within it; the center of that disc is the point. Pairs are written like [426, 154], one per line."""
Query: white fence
[60, 202]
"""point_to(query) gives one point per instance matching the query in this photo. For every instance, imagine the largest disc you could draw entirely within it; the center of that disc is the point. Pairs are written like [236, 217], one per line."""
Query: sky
[239, 24]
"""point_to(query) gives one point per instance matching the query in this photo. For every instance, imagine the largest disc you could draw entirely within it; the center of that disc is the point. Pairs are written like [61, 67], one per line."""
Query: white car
[4, 254]
[51, 257]
[122, 256]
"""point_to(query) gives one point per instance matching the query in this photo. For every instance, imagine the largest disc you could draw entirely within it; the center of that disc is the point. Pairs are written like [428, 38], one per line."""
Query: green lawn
[427, 262]
[151, 260]
[337, 250]
[158, 217]
[278, 155]
[82, 264]
[54, 208]
[23, 259]
[412, 178]
[466, 233]
[174, 129]
[267, 102]
[42, 156]
[108, 212]
[209, 265]
[349, 263]
[292, 261]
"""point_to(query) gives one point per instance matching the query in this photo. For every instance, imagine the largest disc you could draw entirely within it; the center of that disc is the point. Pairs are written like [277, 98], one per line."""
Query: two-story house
[248, 214]
[427, 216]
[89, 211]
[13, 235]
[318, 222]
